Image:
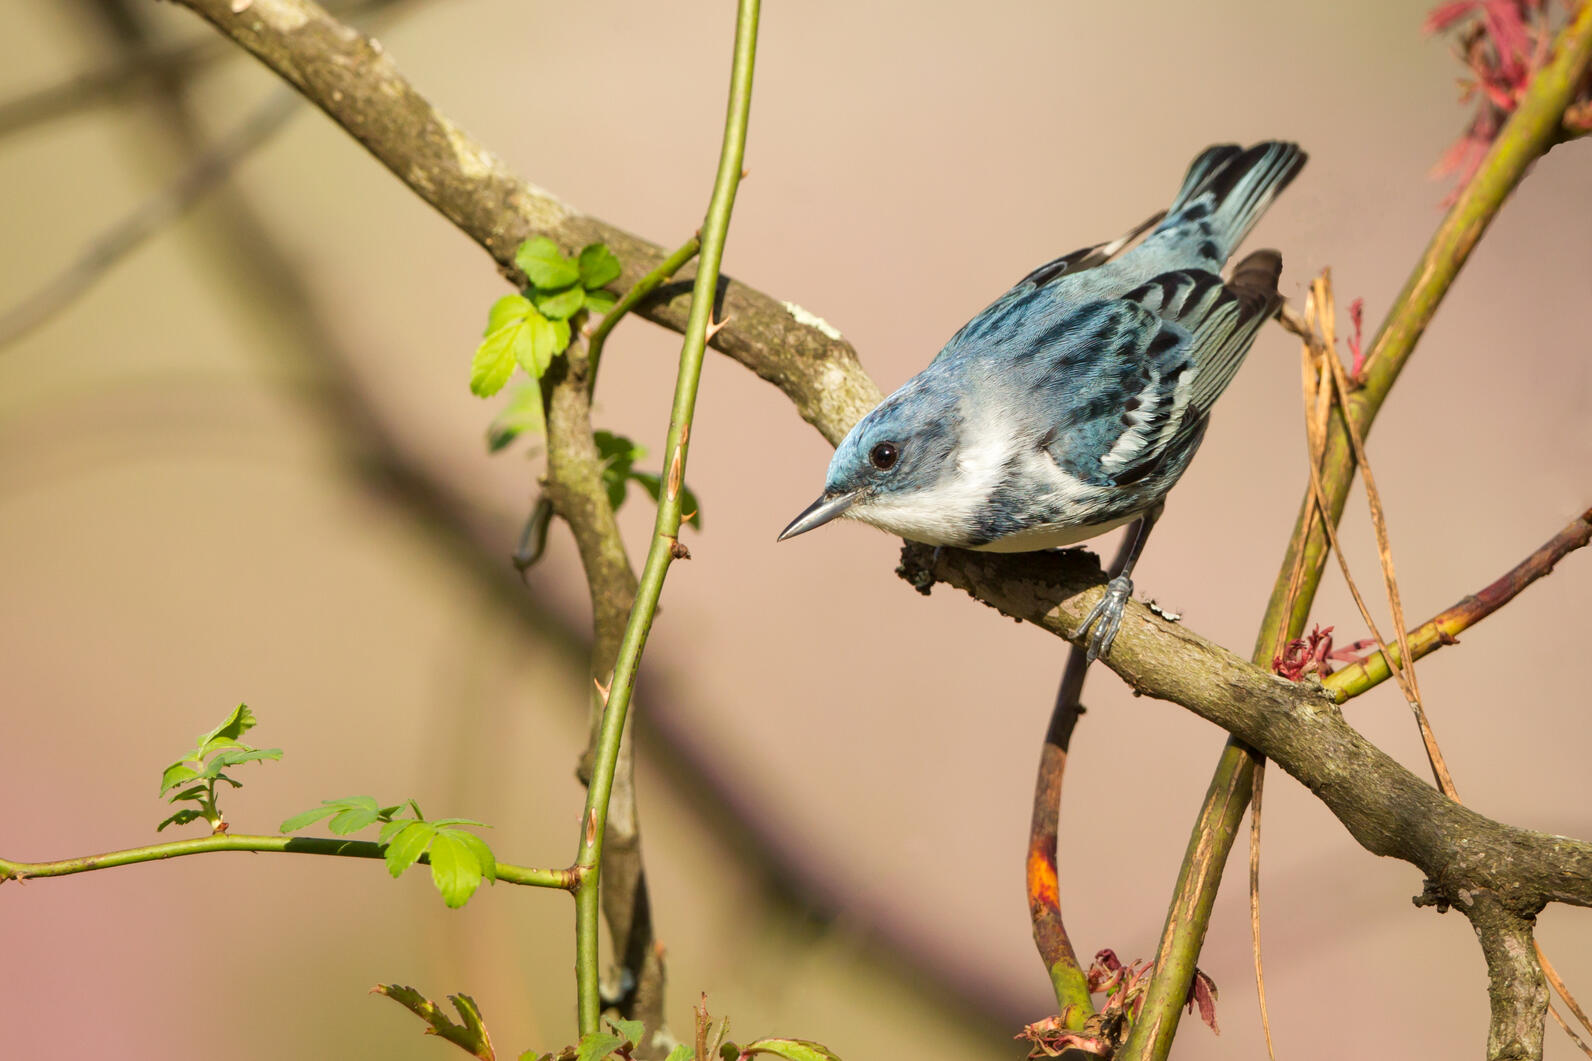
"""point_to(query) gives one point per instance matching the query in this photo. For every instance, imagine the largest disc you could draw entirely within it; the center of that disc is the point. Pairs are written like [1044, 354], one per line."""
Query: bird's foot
[1106, 617]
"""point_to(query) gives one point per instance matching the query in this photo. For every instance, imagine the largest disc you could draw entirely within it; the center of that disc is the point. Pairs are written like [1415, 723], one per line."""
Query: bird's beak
[818, 513]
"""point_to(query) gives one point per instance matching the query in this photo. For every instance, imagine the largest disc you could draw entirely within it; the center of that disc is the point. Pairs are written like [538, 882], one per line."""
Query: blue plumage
[1073, 403]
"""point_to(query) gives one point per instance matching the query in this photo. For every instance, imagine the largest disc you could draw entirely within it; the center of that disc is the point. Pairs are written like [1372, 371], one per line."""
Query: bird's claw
[1106, 618]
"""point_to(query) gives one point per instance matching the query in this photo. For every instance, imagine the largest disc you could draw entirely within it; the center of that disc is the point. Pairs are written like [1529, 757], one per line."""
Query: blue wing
[1127, 383]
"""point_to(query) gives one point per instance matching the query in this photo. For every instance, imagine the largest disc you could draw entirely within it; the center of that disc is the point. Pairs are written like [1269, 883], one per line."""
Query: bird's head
[896, 455]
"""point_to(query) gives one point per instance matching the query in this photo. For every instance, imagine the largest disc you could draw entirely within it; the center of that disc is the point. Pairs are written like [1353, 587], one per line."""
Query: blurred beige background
[182, 532]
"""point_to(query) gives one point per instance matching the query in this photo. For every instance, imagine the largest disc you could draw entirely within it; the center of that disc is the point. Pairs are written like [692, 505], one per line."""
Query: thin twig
[299, 845]
[1254, 902]
[598, 336]
[1564, 992]
[1327, 372]
[665, 547]
[1445, 627]
[107, 250]
[1585, 1049]
[1067, 975]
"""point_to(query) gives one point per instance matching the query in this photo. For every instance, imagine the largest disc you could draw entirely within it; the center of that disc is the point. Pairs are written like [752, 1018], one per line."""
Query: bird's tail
[1226, 191]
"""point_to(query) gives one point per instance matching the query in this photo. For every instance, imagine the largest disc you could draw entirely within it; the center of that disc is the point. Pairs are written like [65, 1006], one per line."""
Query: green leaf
[617, 448]
[601, 302]
[176, 774]
[690, 507]
[560, 336]
[182, 817]
[594, 1046]
[522, 413]
[562, 303]
[454, 868]
[543, 345]
[505, 311]
[393, 828]
[196, 792]
[309, 817]
[233, 757]
[409, 844]
[540, 260]
[632, 1030]
[239, 722]
[483, 854]
[790, 1050]
[355, 814]
[471, 1035]
[598, 266]
[493, 362]
[681, 1052]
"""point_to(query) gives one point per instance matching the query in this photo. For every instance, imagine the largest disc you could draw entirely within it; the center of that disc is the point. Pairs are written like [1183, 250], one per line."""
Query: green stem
[300, 845]
[1531, 130]
[642, 288]
[665, 546]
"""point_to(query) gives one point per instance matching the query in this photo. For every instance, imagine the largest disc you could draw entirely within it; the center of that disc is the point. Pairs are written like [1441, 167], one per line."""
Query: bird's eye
[884, 456]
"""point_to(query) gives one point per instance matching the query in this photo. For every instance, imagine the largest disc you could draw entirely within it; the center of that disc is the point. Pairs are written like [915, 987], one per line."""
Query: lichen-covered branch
[1387, 809]
[350, 77]
[1517, 992]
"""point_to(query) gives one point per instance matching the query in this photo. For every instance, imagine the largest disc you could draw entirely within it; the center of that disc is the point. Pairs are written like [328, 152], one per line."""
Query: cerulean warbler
[1074, 401]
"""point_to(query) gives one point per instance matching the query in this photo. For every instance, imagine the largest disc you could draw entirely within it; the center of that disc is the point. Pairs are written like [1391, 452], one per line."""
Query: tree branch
[1387, 809]
[1517, 993]
[348, 76]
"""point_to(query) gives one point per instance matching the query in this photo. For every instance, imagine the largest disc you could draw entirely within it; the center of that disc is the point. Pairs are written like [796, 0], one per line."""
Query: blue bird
[1073, 402]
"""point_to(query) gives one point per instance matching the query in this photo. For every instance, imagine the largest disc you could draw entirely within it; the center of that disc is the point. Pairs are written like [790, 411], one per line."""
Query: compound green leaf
[594, 1046]
[505, 311]
[493, 362]
[408, 844]
[540, 260]
[562, 303]
[598, 266]
[455, 869]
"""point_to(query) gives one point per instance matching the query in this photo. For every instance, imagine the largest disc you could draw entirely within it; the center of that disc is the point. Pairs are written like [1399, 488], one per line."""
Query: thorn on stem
[714, 327]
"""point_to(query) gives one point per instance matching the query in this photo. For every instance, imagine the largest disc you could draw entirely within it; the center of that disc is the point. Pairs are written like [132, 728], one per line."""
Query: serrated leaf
[562, 303]
[543, 344]
[790, 1050]
[176, 774]
[471, 1035]
[601, 302]
[234, 757]
[182, 817]
[632, 1030]
[594, 1046]
[690, 507]
[309, 817]
[681, 1052]
[522, 413]
[354, 816]
[560, 336]
[505, 311]
[407, 845]
[392, 828]
[493, 362]
[196, 792]
[239, 722]
[540, 260]
[598, 266]
[454, 868]
[483, 854]
[458, 821]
